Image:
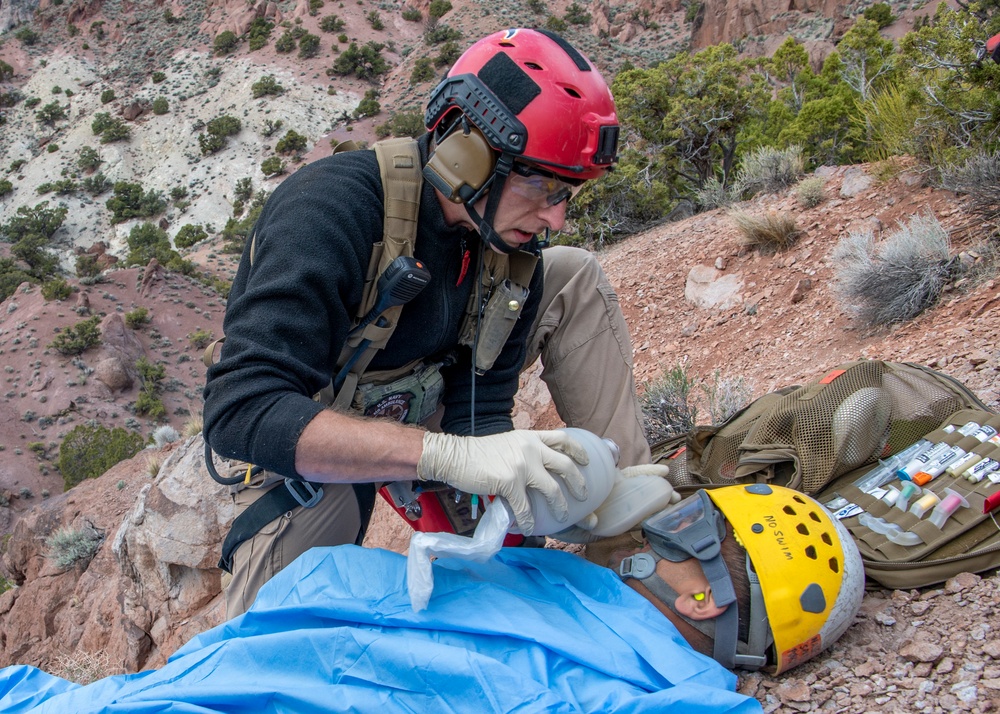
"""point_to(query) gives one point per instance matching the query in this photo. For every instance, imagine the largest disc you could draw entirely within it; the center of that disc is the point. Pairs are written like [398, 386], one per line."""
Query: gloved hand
[508, 465]
[638, 492]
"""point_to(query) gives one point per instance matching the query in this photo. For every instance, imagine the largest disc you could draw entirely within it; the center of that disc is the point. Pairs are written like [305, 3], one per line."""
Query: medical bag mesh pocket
[805, 436]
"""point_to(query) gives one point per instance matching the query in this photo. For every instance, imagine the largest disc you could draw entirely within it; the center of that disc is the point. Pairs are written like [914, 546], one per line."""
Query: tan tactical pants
[586, 354]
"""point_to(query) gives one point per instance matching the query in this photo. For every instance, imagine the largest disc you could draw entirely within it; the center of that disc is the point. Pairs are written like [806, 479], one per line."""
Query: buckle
[311, 496]
[639, 566]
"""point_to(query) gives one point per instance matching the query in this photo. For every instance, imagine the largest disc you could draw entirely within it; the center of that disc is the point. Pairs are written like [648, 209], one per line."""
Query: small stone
[794, 690]
[921, 652]
[961, 582]
[992, 648]
[885, 619]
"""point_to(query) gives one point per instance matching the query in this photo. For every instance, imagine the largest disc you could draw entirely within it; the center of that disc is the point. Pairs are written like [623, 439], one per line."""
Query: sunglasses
[541, 186]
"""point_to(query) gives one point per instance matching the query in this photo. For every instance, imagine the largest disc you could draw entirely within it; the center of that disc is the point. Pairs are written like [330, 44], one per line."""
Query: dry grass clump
[85, 667]
[769, 232]
[193, 427]
[896, 279]
[811, 191]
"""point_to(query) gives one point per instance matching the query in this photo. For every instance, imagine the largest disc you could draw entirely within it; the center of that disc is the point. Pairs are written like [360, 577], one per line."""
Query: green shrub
[368, 106]
[27, 36]
[108, 95]
[225, 42]
[148, 403]
[89, 450]
[56, 289]
[375, 20]
[188, 235]
[259, 33]
[555, 24]
[6, 187]
[52, 148]
[161, 106]
[50, 113]
[78, 338]
[309, 46]
[272, 166]
[88, 159]
[894, 280]
[291, 143]
[158, 77]
[96, 185]
[6, 72]
[441, 33]
[438, 9]
[285, 43]
[32, 102]
[365, 62]
[271, 126]
[224, 125]
[129, 201]
[332, 23]
[880, 13]
[87, 266]
[136, 319]
[447, 54]
[110, 128]
[412, 14]
[69, 546]
[423, 71]
[576, 14]
[405, 124]
[314, 7]
[211, 143]
[266, 85]
[147, 241]
[713, 194]
[199, 339]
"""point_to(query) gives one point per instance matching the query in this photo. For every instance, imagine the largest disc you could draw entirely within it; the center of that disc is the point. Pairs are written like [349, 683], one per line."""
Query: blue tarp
[531, 630]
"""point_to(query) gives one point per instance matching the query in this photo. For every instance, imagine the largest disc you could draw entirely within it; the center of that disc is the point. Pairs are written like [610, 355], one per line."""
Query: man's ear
[703, 609]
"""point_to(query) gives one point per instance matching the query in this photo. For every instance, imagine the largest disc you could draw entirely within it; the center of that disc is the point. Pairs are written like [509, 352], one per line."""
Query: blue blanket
[529, 631]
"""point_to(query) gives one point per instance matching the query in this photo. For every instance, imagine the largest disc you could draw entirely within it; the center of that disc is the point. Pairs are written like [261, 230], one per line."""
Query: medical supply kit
[907, 458]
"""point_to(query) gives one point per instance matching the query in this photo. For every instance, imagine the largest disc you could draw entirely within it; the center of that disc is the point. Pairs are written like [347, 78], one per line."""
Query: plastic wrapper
[483, 545]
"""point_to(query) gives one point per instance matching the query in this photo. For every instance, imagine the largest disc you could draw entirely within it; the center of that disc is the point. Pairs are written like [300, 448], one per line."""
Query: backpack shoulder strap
[402, 181]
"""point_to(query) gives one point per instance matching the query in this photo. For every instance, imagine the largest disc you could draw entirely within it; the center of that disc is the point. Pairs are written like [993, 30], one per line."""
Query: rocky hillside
[691, 292]
[693, 295]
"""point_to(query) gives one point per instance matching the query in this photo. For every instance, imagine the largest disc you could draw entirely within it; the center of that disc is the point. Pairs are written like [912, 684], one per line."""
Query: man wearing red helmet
[520, 122]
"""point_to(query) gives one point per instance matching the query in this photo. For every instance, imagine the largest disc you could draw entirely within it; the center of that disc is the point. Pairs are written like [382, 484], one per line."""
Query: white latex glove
[507, 465]
[638, 492]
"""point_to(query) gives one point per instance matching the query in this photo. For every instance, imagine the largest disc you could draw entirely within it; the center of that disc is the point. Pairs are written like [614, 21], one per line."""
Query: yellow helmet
[809, 568]
[805, 573]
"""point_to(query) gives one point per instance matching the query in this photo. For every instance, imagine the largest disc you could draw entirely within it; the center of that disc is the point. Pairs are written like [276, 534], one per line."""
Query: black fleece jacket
[288, 314]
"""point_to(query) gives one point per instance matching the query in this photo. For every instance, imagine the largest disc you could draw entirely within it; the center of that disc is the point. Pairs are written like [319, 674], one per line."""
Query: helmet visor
[540, 186]
[691, 528]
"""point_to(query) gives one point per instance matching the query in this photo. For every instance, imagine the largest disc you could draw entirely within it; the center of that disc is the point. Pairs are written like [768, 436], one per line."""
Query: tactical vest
[494, 309]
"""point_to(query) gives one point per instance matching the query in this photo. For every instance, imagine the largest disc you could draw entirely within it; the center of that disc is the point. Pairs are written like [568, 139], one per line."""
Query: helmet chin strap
[484, 223]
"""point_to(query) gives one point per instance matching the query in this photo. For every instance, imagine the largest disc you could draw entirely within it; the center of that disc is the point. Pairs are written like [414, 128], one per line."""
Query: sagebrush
[72, 546]
[895, 279]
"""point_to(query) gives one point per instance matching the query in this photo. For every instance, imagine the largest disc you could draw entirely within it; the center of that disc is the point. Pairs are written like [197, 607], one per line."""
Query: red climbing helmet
[535, 98]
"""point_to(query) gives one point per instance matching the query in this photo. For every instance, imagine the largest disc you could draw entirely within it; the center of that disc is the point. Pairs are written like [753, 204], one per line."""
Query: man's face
[532, 201]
